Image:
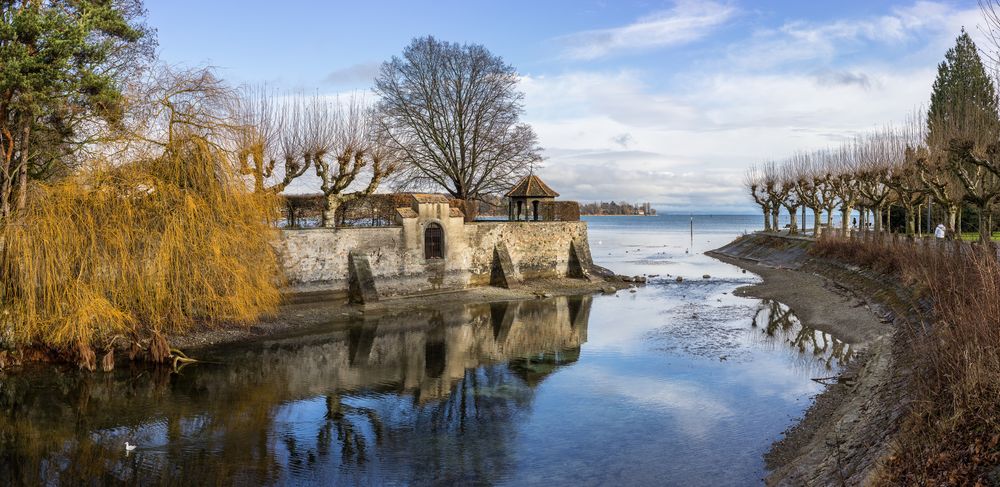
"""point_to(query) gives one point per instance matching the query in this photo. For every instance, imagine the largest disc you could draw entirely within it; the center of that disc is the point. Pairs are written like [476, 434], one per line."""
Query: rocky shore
[850, 426]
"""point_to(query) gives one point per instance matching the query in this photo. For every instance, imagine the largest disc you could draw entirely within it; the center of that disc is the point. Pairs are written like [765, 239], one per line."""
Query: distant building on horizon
[617, 208]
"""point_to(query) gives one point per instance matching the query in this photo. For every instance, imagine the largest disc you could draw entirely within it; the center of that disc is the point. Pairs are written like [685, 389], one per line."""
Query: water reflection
[777, 324]
[423, 397]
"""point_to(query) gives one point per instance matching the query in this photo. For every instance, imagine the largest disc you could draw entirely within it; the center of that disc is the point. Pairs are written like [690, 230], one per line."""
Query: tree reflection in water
[429, 396]
[777, 323]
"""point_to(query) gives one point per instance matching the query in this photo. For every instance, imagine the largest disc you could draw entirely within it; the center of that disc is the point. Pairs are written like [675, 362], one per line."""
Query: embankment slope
[851, 424]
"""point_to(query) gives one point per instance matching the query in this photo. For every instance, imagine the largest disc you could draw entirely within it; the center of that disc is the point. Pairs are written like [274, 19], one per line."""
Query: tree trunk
[774, 219]
[767, 219]
[845, 223]
[984, 229]
[330, 205]
[22, 171]
[910, 230]
[793, 226]
[804, 218]
[470, 209]
[817, 219]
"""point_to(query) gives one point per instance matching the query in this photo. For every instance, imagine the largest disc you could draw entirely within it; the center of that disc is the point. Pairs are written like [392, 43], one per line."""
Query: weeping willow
[137, 251]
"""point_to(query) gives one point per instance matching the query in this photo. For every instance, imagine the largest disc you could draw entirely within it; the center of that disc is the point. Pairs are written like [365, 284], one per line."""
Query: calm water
[675, 384]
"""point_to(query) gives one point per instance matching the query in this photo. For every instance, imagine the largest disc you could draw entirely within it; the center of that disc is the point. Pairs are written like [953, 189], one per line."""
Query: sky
[660, 101]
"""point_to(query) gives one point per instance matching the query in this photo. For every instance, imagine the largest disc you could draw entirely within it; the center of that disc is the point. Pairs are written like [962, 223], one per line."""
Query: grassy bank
[951, 434]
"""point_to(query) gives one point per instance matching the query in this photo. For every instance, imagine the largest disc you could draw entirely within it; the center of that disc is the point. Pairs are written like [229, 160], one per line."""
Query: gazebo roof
[531, 186]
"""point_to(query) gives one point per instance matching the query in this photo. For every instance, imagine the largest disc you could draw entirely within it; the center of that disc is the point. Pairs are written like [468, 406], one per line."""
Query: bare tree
[880, 152]
[775, 191]
[845, 162]
[753, 180]
[342, 143]
[453, 111]
[825, 174]
[789, 183]
[263, 140]
[908, 190]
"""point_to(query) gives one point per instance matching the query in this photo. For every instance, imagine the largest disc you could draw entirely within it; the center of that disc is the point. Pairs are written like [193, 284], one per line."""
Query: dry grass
[951, 435]
[137, 250]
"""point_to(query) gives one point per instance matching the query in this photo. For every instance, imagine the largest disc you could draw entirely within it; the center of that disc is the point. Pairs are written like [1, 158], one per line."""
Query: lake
[677, 383]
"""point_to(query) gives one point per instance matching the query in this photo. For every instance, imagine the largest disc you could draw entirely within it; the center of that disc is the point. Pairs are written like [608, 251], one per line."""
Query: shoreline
[297, 314]
[848, 428]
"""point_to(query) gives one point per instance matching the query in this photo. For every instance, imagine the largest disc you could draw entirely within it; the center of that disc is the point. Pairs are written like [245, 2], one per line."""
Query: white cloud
[688, 148]
[932, 24]
[689, 141]
[688, 21]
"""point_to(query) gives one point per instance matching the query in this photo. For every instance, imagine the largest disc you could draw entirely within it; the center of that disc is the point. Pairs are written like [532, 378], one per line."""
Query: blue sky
[661, 101]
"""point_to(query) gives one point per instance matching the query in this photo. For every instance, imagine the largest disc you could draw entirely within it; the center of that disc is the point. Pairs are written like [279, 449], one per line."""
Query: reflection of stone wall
[316, 259]
[396, 372]
[427, 352]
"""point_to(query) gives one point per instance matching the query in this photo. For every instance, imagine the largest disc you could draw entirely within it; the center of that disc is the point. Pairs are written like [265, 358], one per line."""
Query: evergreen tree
[63, 64]
[962, 116]
[963, 100]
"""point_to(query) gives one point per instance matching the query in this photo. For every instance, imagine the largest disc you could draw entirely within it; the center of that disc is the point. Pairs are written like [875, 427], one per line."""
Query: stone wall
[316, 259]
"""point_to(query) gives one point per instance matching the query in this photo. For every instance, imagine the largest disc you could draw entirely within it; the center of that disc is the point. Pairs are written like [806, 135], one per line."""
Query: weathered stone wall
[317, 259]
[538, 249]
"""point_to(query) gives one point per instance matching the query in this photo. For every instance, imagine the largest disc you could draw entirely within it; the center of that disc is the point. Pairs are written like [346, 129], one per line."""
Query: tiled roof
[406, 212]
[531, 186]
[429, 198]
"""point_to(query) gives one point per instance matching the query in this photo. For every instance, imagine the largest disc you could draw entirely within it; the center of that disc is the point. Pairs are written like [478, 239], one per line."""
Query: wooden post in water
[692, 233]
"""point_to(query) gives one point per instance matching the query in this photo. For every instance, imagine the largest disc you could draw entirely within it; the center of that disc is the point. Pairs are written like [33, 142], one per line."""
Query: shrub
[951, 434]
[137, 250]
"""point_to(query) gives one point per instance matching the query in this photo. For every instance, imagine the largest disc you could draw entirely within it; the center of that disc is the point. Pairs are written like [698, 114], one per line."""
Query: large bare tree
[453, 112]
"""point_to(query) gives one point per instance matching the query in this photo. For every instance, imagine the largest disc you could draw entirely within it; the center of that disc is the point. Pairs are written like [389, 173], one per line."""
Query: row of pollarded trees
[865, 174]
[950, 157]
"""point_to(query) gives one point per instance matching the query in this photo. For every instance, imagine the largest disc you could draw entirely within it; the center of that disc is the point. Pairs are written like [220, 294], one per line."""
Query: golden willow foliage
[136, 250]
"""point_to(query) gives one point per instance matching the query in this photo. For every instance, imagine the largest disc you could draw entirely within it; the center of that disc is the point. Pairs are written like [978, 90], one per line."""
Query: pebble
[679, 279]
[706, 276]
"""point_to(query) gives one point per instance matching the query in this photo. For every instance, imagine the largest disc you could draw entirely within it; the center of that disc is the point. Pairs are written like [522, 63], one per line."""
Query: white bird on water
[129, 447]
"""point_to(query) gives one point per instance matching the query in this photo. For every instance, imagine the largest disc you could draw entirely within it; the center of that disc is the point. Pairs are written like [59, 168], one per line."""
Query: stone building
[430, 247]
[527, 198]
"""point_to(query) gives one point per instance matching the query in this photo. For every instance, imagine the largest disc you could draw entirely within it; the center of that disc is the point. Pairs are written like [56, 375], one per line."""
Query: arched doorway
[534, 210]
[434, 242]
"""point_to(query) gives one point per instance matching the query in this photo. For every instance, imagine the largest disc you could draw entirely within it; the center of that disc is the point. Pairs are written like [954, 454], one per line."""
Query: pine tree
[963, 98]
[963, 113]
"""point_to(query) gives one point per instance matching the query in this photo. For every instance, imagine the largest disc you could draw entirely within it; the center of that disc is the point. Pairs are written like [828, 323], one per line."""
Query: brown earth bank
[849, 428]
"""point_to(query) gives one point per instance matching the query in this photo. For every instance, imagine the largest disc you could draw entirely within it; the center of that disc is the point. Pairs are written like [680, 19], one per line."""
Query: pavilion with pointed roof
[526, 196]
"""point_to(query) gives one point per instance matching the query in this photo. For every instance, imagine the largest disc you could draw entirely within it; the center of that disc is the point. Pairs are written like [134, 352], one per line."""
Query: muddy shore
[306, 312]
[850, 425]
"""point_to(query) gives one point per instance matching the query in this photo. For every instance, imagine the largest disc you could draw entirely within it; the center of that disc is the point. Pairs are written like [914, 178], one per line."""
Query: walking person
[940, 231]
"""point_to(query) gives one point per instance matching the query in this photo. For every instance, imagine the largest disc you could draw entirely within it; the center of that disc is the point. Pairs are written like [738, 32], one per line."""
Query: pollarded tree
[789, 183]
[878, 150]
[753, 180]
[845, 161]
[263, 148]
[807, 187]
[908, 190]
[453, 112]
[776, 191]
[824, 180]
[342, 143]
